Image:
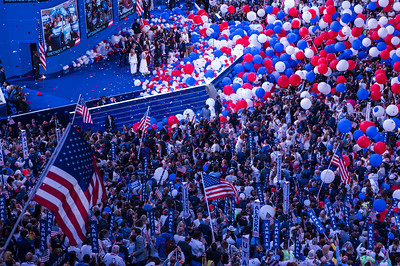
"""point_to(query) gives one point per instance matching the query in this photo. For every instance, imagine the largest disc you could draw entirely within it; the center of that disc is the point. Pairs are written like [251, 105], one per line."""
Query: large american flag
[72, 186]
[139, 7]
[83, 111]
[42, 54]
[338, 160]
[216, 188]
[144, 123]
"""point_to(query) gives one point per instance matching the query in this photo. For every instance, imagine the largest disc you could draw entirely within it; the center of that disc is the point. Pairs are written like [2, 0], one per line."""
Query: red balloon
[295, 23]
[231, 9]
[313, 12]
[241, 104]
[252, 76]
[385, 54]
[197, 19]
[318, 41]
[356, 32]
[331, 10]
[245, 8]
[188, 69]
[135, 126]
[228, 90]
[222, 119]
[327, 18]
[293, 12]
[396, 88]
[381, 78]
[341, 80]
[375, 87]
[303, 32]
[363, 142]
[295, 80]
[314, 60]
[172, 120]
[299, 55]
[25, 172]
[283, 81]
[396, 66]
[396, 209]
[379, 147]
[275, 10]
[376, 95]
[366, 124]
[322, 69]
[248, 58]
[322, 61]
[346, 160]
[352, 64]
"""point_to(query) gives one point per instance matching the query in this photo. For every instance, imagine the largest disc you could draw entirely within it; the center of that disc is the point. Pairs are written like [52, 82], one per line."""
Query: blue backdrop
[19, 28]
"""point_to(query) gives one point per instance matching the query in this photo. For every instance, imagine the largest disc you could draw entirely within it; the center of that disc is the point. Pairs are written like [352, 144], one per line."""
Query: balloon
[389, 125]
[251, 16]
[378, 111]
[375, 160]
[305, 103]
[172, 177]
[327, 176]
[359, 216]
[371, 131]
[307, 202]
[392, 110]
[357, 134]
[210, 102]
[344, 125]
[188, 69]
[379, 205]
[266, 212]
[363, 142]
[379, 147]
[362, 94]
[361, 196]
[231, 9]
[260, 92]
[205, 167]
[172, 120]
[261, 13]
[174, 192]
[396, 194]
[160, 174]
[396, 209]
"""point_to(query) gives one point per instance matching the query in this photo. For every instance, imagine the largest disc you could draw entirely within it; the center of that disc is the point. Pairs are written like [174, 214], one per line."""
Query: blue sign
[170, 221]
[152, 223]
[260, 194]
[370, 236]
[233, 208]
[24, 144]
[394, 204]
[43, 235]
[331, 215]
[50, 218]
[113, 156]
[277, 234]
[267, 234]
[251, 140]
[3, 212]
[297, 246]
[94, 236]
[316, 221]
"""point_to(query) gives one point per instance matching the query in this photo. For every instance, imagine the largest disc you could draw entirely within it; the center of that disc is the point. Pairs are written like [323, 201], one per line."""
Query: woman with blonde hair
[133, 61]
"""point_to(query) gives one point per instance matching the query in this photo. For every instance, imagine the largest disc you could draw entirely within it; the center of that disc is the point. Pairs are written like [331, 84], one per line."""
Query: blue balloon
[313, 21]
[336, 26]
[268, 9]
[362, 55]
[281, 15]
[386, 186]
[172, 177]
[107, 209]
[346, 17]
[391, 235]
[339, 47]
[194, 56]
[381, 46]
[257, 59]
[291, 38]
[308, 67]
[262, 70]
[302, 44]
[379, 137]
[357, 134]
[209, 74]
[236, 86]
[279, 47]
[359, 215]
[205, 167]
[357, 44]
[344, 125]
[379, 205]
[218, 53]
[260, 92]
[375, 160]
[340, 87]
[362, 94]
[397, 121]
[190, 81]
[225, 113]
[153, 121]
[239, 68]
[361, 196]
[226, 81]
[310, 76]
[165, 15]
[159, 125]
[371, 131]
[277, 29]
[371, 6]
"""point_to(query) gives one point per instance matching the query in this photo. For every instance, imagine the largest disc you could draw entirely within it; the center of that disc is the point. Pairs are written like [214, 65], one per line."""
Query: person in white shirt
[113, 257]
[197, 244]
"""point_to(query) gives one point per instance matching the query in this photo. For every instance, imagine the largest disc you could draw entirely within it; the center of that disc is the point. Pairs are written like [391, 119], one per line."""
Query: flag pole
[208, 208]
[73, 118]
[33, 192]
[141, 137]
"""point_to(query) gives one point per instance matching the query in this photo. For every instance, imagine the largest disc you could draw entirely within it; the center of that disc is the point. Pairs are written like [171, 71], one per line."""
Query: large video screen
[126, 8]
[60, 26]
[99, 16]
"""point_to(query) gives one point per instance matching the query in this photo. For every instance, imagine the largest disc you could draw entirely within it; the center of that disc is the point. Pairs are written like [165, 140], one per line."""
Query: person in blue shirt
[160, 242]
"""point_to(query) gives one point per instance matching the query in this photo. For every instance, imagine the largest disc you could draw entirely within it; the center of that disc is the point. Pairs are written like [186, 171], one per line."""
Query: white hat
[231, 228]
[311, 254]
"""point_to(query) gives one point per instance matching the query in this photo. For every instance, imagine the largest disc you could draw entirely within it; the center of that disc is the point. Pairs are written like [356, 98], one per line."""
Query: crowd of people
[14, 96]
[276, 144]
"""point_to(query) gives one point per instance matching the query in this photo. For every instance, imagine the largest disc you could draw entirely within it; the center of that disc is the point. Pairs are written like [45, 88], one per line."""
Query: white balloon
[280, 66]
[174, 193]
[251, 16]
[305, 103]
[307, 202]
[210, 102]
[137, 82]
[366, 42]
[262, 38]
[396, 6]
[289, 3]
[389, 125]
[307, 16]
[327, 176]
[346, 5]
[392, 110]
[382, 32]
[261, 13]
[247, 94]
[395, 40]
[308, 53]
[324, 88]
[271, 19]
[396, 194]
[289, 50]
[372, 23]
[383, 3]
[305, 94]
[374, 52]
[215, 64]
[358, 22]
[342, 65]
[378, 111]
[160, 174]
[383, 21]
[287, 26]
[358, 9]
[267, 211]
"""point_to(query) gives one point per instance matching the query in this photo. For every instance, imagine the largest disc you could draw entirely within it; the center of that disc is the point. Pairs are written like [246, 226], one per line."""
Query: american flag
[216, 188]
[139, 7]
[144, 123]
[338, 160]
[72, 186]
[83, 111]
[42, 54]
[310, 43]
[159, 194]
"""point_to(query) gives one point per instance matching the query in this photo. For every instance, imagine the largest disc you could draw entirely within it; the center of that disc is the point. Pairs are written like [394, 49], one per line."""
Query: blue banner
[245, 250]
[216, 208]
[301, 195]
[50, 218]
[24, 144]
[316, 221]
[152, 223]
[226, 206]
[277, 234]
[1, 155]
[233, 209]
[113, 156]
[260, 194]
[267, 234]
[58, 134]
[94, 236]
[279, 167]
[111, 229]
[145, 165]
[251, 140]
[331, 215]
[397, 220]
[370, 236]
[394, 204]
[170, 221]
[185, 200]
[256, 219]
[3, 212]
[43, 235]
[232, 146]
[297, 246]
[286, 188]
[385, 136]
[346, 214]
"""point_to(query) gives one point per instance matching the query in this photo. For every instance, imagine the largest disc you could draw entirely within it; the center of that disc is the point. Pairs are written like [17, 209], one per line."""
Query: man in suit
[2, 75]
[123, 51]
[182, 48]
[140, 248]
[109, 123]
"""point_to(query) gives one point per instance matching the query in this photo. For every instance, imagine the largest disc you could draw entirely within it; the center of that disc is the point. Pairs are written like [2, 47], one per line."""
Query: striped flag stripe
[42, 54]
[344, 173]
[139, 7]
